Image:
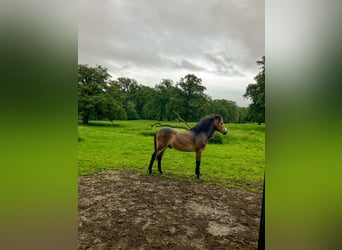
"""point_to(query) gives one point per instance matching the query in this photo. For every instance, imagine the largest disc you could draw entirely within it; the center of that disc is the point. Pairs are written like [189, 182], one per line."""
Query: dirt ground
[124, 210]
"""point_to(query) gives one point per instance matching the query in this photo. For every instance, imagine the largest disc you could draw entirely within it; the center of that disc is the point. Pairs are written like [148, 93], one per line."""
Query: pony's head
[218, 124]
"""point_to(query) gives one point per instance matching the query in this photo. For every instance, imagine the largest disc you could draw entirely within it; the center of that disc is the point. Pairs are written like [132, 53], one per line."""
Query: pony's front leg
[198, 163]
[198, 173]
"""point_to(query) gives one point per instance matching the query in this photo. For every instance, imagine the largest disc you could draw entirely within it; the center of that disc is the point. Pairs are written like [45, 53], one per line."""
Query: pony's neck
[205, 128]
[206, 135]
[210, 132]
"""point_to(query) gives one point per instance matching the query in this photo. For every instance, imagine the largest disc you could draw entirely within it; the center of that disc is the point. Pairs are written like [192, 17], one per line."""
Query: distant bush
[216, 139]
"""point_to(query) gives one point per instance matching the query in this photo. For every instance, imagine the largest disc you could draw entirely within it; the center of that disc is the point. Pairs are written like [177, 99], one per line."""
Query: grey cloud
[181, 28]
[223, 64]
[185, 64]
[159, 35]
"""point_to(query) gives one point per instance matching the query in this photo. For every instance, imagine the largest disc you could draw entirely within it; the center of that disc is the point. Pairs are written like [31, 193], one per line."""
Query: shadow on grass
[147, 133]
[99, 124]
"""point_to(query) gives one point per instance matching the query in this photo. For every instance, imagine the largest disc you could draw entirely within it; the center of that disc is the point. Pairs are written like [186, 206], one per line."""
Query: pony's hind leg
[159, 157]
[161, 139]
[158, 154]
[153, 157]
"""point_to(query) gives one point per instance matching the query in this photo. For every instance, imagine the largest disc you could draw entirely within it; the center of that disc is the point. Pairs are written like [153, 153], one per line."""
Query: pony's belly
[185, 148]
[183, 142]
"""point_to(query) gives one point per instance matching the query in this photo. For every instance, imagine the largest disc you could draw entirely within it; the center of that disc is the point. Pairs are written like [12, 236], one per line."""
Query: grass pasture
[127, 145]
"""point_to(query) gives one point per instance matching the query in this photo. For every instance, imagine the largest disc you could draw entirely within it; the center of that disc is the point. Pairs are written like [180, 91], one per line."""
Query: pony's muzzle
[225, 131]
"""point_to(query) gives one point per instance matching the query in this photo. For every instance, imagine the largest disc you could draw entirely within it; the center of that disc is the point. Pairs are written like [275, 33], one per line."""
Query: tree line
[102, 98]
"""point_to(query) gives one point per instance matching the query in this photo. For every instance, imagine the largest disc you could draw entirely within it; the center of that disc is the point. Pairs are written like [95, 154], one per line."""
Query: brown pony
[193, 140]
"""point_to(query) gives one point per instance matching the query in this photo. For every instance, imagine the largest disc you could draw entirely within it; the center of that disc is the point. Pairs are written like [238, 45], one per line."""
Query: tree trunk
[85, 120]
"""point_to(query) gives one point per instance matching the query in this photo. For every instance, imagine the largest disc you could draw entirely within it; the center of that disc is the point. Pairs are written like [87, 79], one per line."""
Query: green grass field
[127, 145]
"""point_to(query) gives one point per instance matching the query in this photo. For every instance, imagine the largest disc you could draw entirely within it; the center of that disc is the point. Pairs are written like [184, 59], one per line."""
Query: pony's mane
[204, 123]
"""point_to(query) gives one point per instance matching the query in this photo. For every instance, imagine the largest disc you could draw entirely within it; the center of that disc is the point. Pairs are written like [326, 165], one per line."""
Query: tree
[92, 82]
[114, 109]
[227, 109]
[191, 94]
[131, 111]
[143, 97]
[98, 96]
[130, 88]
[164, 92]
[256, 92]
[242, 114]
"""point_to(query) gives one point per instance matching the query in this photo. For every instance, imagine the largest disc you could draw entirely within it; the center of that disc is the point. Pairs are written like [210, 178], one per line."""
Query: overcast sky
[150, 40]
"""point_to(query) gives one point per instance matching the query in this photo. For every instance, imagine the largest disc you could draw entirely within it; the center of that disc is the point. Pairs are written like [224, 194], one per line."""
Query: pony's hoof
[198, 176]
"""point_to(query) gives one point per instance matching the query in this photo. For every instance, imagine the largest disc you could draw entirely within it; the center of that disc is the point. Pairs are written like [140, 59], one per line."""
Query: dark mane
[204, 123]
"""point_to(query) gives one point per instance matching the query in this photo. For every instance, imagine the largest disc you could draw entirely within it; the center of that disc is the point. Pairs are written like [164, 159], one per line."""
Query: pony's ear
[217, 117]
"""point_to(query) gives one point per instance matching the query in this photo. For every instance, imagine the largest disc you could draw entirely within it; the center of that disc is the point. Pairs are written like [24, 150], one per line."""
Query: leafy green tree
[191, 94]
[131, 111]
[114, 109]
[143, 97]
[92, 82]
[131, 90]
[113, 90]
[99, 97]
[174, 104]
[242, 114]
[227, 109]
[162, 99]
[256, 92]
[129, 87]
